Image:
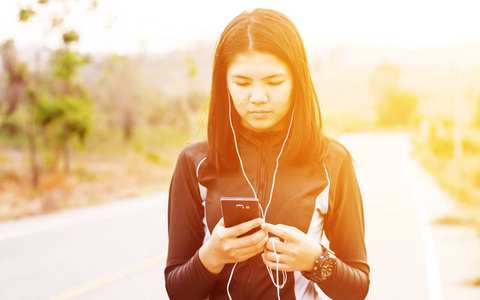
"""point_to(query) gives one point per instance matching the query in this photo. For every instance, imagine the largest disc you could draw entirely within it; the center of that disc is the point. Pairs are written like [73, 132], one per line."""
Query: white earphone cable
[229, 280]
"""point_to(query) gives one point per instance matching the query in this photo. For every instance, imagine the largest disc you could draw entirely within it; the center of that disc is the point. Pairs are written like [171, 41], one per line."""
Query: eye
[242, 83]
[275, 83]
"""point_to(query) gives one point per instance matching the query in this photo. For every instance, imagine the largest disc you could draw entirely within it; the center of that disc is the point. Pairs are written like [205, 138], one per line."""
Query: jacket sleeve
[185, 275]
[345, 229]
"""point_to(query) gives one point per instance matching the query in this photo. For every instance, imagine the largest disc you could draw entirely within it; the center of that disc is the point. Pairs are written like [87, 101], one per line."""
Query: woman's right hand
[224, 246]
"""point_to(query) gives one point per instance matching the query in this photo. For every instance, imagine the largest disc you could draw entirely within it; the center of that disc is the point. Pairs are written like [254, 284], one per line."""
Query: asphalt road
[118, 250]
[114, 251]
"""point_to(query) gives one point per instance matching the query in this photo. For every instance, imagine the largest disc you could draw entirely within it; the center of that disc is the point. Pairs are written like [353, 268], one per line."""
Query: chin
[261, 128]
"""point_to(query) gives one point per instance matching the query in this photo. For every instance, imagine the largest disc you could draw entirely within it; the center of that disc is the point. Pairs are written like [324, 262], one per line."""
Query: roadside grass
[338, 121]
[105, 168]
[459, 177]
[451, 220]
[472, 282]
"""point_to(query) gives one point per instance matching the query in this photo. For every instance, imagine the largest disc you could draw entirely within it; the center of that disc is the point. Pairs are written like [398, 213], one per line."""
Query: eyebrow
[267, 77]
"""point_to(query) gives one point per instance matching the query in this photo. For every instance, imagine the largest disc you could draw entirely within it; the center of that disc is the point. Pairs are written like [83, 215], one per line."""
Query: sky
[130, 26]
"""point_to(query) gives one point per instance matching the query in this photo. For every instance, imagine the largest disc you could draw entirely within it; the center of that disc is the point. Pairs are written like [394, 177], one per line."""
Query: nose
[258, 94]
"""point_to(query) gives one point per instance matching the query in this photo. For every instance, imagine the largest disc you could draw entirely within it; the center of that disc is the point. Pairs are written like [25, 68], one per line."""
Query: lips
[259, 113]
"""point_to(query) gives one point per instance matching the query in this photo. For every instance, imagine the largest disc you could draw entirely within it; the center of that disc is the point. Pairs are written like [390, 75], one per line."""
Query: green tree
[18, 83]
[68, 106]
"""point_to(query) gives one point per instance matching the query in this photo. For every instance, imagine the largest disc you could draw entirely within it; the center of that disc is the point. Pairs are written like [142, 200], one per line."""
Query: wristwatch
[324, 266]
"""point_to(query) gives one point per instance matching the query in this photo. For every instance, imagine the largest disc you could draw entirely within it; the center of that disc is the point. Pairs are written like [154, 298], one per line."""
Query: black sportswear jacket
[321, 199]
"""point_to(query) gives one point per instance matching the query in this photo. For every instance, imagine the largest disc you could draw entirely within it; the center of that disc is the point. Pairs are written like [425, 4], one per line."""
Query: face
[260, 85]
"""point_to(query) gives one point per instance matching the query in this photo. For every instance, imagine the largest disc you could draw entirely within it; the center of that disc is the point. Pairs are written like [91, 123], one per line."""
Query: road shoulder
[457, 247]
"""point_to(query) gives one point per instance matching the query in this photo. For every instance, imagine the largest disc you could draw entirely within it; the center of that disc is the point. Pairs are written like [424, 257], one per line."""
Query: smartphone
[237, 210]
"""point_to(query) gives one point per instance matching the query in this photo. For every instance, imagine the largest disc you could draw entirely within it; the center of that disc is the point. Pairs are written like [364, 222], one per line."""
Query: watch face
[327, 267]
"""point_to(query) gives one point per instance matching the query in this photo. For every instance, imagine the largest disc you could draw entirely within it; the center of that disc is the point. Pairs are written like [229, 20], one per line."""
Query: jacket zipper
[250, 278]
[263, 198]
[263, 184]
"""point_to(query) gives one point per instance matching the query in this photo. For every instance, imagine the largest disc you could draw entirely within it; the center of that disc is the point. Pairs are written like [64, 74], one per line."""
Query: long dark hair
[271, 32]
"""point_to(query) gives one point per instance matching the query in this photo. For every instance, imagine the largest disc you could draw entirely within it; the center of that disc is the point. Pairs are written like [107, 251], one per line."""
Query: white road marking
[115, 276]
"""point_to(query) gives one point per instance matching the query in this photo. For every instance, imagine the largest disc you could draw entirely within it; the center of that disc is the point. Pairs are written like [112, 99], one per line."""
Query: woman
[265, 141]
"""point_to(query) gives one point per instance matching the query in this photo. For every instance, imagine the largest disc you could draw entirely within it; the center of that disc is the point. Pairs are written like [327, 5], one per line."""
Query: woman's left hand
[297, 252]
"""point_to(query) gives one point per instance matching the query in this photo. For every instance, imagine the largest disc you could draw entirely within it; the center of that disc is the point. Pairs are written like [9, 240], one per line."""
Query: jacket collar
[271, 139]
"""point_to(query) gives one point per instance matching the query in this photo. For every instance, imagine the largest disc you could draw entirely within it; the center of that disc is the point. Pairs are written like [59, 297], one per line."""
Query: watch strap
[324, 266]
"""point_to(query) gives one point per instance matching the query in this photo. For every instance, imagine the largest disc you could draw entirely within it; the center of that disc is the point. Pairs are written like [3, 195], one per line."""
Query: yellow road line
[110, 278]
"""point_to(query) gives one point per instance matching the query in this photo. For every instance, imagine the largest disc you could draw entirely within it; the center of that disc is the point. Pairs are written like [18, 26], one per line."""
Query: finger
[289, 228]
[285, 232]
[273, 257]
[239, 249]
[254, 249]
[294, 234]
[273, 264]
[260, 237]
[246, 226]
[220, 224]
[245, 247]
[219, 230]
[274, 244]
[251, 250]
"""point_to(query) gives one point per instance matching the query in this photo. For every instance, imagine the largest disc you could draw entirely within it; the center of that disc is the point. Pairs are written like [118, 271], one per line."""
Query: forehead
[256, 63]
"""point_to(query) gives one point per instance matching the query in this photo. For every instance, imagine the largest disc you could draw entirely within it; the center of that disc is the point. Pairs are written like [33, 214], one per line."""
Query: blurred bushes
[336, 122]
[476, 122]
[443, 147]
[156, 158]
[396, 108]
[460, 178]
[65, 114]
[438, 138]
[458, 173]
